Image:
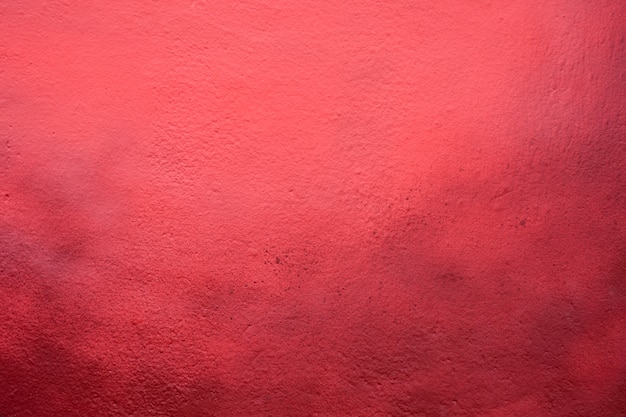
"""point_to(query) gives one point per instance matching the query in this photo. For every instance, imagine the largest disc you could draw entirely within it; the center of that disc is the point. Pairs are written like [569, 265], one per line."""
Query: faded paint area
[313, 208]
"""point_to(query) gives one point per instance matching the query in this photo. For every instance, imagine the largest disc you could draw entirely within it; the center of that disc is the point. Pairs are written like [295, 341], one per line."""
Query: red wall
[313, 208]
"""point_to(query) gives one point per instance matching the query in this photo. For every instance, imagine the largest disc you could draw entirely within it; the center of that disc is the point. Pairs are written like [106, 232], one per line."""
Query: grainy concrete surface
[312, 208]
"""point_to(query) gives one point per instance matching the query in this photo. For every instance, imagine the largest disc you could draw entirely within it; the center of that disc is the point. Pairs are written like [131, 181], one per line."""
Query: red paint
[260, 208]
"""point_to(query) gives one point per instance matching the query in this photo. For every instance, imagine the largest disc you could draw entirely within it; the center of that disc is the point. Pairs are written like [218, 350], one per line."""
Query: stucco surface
[313, 208]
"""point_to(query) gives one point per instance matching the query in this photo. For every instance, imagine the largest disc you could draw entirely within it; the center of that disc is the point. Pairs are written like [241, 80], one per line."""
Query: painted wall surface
[313, 208]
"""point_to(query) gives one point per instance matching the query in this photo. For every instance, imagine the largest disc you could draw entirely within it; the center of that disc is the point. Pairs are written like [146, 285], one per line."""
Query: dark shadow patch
[51, 376]
[449, 278]
[421, 403]
[617, 279]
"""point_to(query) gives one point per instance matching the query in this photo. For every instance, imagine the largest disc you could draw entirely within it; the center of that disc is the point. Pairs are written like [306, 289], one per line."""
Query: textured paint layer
[313, 208]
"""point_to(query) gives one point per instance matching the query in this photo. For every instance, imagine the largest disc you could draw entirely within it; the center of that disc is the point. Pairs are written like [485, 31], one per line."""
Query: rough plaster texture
[313, 208]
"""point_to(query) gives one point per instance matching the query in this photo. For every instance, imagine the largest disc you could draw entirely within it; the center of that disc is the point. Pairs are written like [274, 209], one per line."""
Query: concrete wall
[313, 208]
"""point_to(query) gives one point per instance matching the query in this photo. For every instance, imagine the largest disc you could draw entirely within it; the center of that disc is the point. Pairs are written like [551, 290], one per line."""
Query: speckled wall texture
[312, 208]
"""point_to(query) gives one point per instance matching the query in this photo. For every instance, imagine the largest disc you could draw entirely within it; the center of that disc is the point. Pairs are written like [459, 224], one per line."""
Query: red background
[313, 208]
